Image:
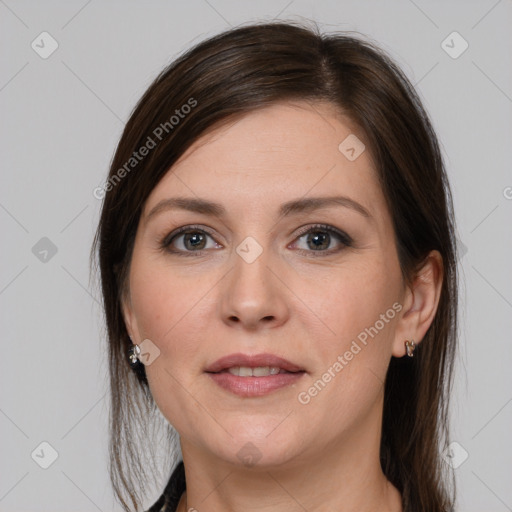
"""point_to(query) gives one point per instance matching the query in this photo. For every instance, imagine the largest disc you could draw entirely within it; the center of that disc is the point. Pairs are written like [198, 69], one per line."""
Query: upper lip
[252, 361]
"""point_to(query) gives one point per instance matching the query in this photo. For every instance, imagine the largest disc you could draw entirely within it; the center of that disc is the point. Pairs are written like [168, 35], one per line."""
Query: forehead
[283, 151]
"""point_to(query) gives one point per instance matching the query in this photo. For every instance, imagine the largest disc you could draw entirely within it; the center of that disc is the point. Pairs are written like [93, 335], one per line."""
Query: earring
[133, 355]
[409, 347]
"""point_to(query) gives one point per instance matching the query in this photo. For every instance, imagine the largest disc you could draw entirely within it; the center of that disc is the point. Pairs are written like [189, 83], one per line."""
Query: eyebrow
[302, 205]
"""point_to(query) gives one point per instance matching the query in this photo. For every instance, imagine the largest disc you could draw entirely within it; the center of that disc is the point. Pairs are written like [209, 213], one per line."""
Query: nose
[252, 295]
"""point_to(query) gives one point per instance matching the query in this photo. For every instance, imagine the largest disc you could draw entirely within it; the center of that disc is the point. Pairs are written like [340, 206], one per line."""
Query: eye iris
[321, 238]
[195, 238]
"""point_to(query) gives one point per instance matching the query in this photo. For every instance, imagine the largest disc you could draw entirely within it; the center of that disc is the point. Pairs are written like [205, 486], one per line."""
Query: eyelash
[345, 239]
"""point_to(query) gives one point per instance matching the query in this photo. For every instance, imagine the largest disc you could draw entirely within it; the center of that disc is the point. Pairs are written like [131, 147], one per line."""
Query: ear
[129, 317]
[420, 303]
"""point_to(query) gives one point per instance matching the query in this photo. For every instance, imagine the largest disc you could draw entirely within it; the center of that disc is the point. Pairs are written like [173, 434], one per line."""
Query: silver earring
[409, 347]
[133, 356]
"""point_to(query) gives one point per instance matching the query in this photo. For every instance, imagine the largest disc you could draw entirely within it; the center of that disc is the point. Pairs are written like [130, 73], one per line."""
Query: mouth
[254, 375]
[244, 365]
[257, 371]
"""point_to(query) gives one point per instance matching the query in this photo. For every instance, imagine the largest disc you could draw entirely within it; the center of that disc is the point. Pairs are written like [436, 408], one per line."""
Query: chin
[257, 445]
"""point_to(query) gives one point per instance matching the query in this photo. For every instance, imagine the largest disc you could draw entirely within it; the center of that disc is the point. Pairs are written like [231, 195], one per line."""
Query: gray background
[61, 119]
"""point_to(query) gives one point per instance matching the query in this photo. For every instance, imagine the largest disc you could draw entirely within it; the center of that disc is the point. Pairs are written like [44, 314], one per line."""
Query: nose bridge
[251, 276]
[251, 292]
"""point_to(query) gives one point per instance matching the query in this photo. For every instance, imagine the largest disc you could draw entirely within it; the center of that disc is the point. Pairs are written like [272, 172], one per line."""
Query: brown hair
[247, 68]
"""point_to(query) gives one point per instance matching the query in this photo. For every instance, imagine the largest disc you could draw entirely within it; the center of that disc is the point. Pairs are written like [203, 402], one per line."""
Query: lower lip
[254, 386]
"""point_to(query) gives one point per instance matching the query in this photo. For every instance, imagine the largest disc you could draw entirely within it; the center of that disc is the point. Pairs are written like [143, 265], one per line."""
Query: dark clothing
[169, 500]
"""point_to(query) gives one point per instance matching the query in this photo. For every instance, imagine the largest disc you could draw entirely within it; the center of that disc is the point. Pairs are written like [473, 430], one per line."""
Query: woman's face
[248, 279]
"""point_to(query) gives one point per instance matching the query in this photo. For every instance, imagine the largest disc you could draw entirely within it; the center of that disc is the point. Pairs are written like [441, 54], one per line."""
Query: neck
[346, 476]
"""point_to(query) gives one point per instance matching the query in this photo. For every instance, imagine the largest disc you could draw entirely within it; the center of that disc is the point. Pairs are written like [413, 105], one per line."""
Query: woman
[277, 258]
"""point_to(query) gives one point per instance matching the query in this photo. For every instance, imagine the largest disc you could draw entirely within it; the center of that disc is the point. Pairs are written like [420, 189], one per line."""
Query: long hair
[239, 71]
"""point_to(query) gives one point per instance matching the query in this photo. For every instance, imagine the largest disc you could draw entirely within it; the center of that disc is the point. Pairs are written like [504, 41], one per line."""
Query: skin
[287, 302]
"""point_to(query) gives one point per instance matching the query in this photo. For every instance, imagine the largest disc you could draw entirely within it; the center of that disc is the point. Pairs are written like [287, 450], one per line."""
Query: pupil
[322, 239]
[194, 238]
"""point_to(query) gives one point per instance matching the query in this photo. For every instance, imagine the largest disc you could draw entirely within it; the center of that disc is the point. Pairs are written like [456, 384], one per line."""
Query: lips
[251, 376]
[236, 361]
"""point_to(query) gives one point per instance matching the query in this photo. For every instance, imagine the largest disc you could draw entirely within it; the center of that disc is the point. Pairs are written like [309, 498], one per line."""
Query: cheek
[353, 355]
[352, 300]
[163, 305]
[160, 297]
[166, 309]
[153, 303]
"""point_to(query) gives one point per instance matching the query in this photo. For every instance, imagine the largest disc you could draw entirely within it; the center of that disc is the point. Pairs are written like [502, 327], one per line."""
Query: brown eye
[194, 240]
[188, 239]
[318, 241]
[321, 239]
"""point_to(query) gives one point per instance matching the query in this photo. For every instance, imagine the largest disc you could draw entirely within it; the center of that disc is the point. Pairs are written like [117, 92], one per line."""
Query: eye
[319, 238]
[188, 239]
